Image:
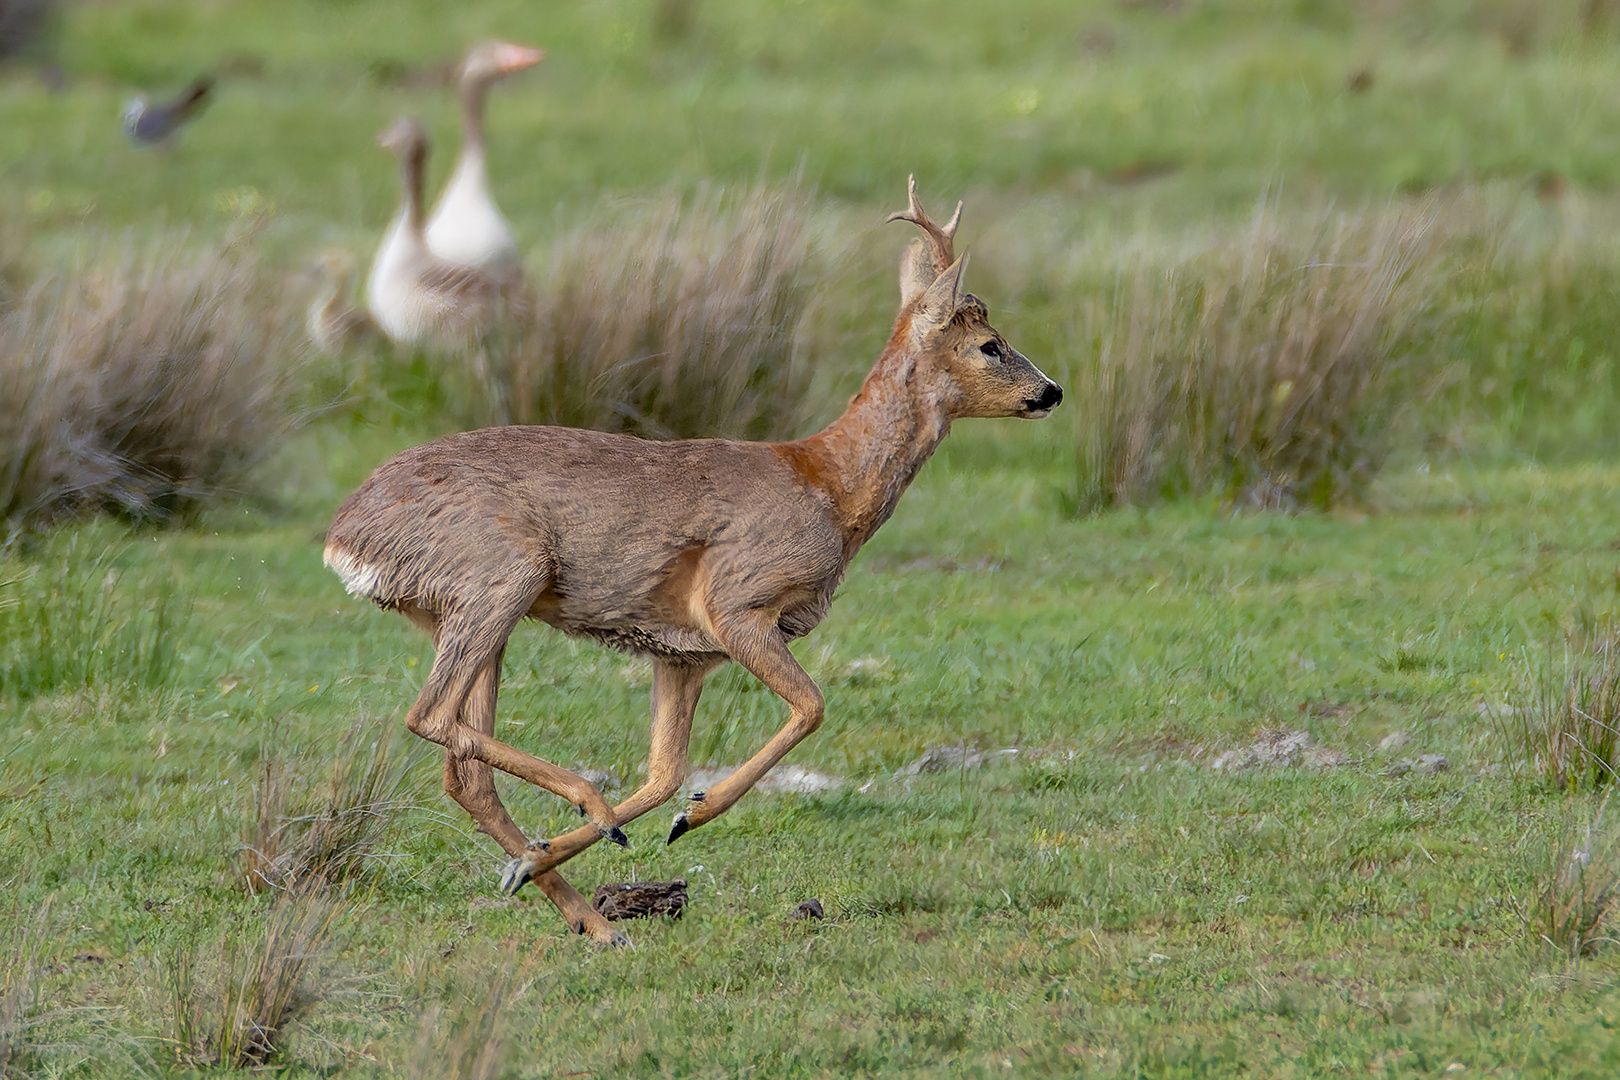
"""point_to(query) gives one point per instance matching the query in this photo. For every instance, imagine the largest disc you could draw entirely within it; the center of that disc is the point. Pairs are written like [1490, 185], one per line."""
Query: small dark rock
[640, 899]
[810, 909]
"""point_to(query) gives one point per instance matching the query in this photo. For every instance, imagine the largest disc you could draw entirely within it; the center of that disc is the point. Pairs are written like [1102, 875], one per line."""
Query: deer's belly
[669, 635]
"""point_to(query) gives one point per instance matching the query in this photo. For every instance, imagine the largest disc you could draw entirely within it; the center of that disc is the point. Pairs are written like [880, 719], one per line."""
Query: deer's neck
[865, 460]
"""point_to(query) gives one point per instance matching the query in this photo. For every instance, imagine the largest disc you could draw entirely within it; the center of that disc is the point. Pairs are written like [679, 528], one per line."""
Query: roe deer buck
[691, 553]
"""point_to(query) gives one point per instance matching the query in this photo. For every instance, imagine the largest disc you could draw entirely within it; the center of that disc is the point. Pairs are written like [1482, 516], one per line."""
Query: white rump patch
[358, 578]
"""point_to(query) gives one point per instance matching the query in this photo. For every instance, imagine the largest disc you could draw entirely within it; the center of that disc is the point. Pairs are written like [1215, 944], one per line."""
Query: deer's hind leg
[675, 691]
[471, 783]
[467, 643]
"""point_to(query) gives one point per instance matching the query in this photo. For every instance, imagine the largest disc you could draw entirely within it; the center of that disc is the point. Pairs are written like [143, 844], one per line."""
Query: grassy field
[1267, 814]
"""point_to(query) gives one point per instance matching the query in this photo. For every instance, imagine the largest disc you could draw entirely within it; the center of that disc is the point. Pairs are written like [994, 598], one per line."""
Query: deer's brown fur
[691, 553]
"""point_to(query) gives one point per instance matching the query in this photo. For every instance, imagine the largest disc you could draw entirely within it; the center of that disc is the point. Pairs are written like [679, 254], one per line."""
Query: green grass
[1114, 905]
[1108, 906]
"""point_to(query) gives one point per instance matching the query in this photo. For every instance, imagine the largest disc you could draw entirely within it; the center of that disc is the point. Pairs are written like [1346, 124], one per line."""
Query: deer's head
[966, 364]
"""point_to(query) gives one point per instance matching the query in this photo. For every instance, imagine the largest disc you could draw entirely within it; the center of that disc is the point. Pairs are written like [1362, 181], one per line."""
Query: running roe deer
[691, 553]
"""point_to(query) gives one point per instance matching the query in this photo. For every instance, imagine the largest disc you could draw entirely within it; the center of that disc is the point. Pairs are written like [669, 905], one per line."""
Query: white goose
[413, 294]
[466, 226]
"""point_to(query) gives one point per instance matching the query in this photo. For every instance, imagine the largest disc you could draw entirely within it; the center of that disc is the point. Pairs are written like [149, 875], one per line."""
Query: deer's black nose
[1048, 400]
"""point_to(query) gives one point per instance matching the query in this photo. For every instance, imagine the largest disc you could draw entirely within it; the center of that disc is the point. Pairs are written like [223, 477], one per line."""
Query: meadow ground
[1227, 844]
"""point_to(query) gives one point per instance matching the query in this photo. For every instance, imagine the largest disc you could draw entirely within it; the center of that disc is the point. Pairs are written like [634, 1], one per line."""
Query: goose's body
[413, 294]
[466, 227]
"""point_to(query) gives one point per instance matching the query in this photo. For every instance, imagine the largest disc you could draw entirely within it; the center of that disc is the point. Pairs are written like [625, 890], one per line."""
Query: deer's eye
[992, 349]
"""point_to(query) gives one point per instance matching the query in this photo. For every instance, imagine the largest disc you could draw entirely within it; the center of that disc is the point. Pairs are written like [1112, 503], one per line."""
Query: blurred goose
[414, 294]
[334, 324]
[153, 125]
[466, 226]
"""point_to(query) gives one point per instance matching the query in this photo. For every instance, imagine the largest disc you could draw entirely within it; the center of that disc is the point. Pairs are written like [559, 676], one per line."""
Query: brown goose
[334, 324]
[413, 294]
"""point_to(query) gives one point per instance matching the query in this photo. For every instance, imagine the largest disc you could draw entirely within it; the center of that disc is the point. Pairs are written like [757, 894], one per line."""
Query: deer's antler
[940, 237]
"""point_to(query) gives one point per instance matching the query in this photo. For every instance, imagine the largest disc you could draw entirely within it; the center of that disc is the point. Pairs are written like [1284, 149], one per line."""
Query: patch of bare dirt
[782, 780]
[1279, 747]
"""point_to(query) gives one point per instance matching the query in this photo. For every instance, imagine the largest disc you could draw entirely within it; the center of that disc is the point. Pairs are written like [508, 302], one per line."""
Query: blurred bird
[413, 294]
[466, 226]
[334, 324]
[154, 125]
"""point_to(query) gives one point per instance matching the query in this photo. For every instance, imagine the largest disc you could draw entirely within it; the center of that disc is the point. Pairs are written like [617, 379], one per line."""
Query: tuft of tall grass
[687, 317]
[335, 832]
[1565, 728]
[467, 1042]
[1272, 369]
[235, 1010]
[23, 26]
[146, 385]
[1578, 888]
[74, 621]
[23, 951]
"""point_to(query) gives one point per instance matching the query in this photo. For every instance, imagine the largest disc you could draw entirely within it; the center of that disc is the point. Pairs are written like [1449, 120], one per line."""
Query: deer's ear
[939, 303]
[916, 271]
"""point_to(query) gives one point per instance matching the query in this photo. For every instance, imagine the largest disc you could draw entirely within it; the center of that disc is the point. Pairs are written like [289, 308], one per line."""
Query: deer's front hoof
[616, 835]
[678, 830]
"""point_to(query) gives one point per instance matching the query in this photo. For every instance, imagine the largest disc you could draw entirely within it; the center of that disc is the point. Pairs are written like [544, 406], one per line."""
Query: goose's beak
[512, 58]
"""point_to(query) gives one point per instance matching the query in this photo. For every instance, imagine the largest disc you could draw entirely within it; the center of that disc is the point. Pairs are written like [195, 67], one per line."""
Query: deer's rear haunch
[691, 553]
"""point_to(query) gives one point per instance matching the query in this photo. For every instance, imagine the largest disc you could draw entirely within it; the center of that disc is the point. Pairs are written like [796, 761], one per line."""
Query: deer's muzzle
[1037, 407]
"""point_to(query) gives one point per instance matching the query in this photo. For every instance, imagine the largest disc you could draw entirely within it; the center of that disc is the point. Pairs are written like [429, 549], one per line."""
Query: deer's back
[625, 540]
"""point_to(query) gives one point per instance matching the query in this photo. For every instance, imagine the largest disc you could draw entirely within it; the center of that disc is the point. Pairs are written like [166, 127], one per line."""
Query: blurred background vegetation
[1144, 179]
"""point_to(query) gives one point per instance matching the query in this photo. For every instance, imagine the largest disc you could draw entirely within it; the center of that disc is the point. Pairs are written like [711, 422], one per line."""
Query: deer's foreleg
[756, 644]
[675, 693]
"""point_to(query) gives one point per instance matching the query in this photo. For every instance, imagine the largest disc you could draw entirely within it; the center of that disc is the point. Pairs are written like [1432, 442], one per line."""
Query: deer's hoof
[513, 878]
[616, 835]
[678, 830]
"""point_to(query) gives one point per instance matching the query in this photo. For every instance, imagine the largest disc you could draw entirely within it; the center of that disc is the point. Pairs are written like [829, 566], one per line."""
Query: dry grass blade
[146, 387]
[23, 949]
[1270, 369]
[237, 1013]
[1579, 888]
[684, 319]
[469, 1043]
[333, 837]
[1565, 730]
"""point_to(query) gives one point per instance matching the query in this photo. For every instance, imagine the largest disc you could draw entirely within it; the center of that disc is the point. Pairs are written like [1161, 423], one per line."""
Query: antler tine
[940, 237]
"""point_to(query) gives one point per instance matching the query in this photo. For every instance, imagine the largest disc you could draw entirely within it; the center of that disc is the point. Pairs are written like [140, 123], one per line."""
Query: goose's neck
[473, 92]
[412, 164]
